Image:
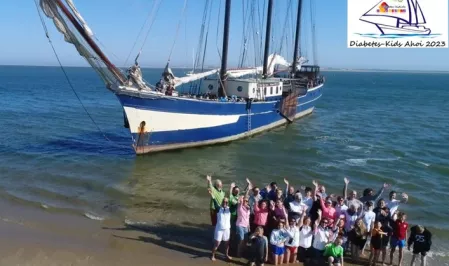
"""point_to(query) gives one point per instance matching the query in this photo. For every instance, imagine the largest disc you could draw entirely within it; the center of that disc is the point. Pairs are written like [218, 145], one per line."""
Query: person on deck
[218, 195]
[223, 227]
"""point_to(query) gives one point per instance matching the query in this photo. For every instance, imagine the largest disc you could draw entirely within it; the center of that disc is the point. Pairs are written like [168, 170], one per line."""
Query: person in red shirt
[399, 237]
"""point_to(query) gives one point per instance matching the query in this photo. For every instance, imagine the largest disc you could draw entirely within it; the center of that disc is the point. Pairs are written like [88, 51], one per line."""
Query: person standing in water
[421, 239]
[400, 227]
[218, 195]
[223, 227]
[259, 248]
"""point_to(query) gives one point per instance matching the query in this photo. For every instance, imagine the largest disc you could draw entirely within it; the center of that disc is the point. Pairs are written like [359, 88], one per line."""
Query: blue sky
[116, 24]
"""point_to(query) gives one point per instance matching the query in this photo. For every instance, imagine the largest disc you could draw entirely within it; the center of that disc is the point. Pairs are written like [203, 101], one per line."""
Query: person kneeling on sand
[259, 248]
[334, 253]
[223, 227]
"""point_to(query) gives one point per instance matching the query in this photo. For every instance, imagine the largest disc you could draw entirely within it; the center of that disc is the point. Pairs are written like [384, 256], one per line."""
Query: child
[223, 227]
[259, 248]
[376, 242]
[305, 238]
[400, 227]
[421, 239]
[334, 252]
[277, 240]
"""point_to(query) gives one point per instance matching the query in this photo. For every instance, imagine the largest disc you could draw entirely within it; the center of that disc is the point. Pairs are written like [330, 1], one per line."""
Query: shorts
[292, 250]
[416, 252]
[304, 253]
[213, 217]
[222, 235]
[397, 243]
[318, 253]
[241, 232]
[384, 242]
[277, 250]
[336, 259]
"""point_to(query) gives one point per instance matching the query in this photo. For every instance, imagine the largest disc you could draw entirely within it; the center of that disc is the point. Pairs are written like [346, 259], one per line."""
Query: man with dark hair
[393, 203]
[368, 194]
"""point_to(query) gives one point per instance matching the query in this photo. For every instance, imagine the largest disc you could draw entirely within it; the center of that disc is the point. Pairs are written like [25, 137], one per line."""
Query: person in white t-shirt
[393, 203]
[291, 246]
[296, 207]
[223, 227]
[305, 238]
[368, 219]
[322, 236]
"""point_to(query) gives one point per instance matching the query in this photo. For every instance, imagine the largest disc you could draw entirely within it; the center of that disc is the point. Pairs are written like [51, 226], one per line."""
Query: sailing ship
[405, 18]
[227, 108]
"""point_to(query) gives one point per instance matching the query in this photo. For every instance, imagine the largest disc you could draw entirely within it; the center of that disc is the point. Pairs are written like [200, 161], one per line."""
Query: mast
[267, 39]
[224, 58]
[297, 33]
[118, 75]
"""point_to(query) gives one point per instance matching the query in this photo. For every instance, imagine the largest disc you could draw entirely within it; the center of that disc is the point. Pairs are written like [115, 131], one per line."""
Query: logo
[398, 24]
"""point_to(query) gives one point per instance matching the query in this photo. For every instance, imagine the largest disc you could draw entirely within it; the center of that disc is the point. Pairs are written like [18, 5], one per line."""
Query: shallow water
[372, 127]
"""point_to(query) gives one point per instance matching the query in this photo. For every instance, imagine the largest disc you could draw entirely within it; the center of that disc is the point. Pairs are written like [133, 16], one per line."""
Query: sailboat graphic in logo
[404, 17]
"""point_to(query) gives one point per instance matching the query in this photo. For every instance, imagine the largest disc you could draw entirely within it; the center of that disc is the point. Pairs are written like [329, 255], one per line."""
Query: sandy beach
[33, 236]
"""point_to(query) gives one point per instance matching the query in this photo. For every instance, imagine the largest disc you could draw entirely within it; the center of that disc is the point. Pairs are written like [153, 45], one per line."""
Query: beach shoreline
[34, 236]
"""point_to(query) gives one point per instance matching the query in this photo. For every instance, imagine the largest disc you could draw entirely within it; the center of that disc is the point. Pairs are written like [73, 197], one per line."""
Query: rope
[218, 30]
[67, 77]
[177, 29]
[140, 32]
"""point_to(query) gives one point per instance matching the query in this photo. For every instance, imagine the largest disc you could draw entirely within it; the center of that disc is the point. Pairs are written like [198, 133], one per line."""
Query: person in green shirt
[334, 253]
[218, 194]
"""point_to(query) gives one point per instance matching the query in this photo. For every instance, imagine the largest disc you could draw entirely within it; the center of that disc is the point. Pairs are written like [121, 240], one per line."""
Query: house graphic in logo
[405, 18]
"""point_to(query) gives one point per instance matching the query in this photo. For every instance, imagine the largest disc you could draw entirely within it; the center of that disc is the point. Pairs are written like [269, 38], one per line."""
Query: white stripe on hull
[164, 121]
[156, 148]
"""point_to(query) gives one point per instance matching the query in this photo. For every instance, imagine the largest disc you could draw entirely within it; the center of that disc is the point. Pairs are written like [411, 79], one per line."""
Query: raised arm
[286, 188]
[345, 188]
[249, 186]
[377, 196]
[209, 181]
[303, 215]
[217, 206]
[231, 188]
[315, 184]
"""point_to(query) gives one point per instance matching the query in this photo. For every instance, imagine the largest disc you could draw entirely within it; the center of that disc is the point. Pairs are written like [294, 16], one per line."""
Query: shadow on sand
[193, 239]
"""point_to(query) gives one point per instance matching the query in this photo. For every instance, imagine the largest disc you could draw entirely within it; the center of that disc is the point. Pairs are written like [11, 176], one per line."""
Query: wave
[423, 163]
[93, 216]
[360, 161]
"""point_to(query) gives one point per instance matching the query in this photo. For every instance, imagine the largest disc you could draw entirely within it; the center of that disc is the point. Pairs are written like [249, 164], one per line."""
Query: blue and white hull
[159, 123]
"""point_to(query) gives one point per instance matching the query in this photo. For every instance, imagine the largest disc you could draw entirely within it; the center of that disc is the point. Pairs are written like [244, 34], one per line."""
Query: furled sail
[389, 13]
[192, 77]
[77, 32]
[273, 59]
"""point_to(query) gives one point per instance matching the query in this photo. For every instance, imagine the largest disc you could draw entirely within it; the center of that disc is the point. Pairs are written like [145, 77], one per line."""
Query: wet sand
[31, 236]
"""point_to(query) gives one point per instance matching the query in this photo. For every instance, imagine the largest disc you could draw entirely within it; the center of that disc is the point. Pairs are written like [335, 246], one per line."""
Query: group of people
[288, 226]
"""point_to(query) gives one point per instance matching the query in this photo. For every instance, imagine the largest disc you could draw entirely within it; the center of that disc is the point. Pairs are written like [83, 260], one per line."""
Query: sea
[66, 155]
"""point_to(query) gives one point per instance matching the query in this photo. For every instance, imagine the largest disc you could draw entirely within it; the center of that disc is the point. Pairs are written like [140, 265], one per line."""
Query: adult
[393, 203]
[242, 223]
[223, 227]
[289, 194]
[368, 194]
[296, 207]
[328, 211]
[218, 194]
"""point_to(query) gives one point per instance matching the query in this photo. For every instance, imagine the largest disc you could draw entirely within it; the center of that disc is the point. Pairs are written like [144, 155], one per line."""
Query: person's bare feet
[212, 258]
[228, 257]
